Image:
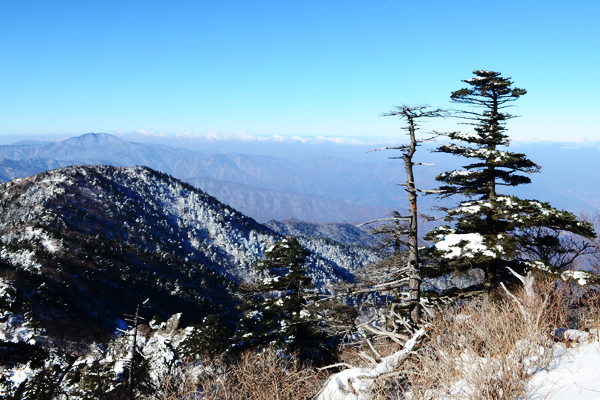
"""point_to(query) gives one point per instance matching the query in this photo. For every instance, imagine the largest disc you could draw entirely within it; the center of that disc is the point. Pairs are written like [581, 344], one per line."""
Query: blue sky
[248, 69]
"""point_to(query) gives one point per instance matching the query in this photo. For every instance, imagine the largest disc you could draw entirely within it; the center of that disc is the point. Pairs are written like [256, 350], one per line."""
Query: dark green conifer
[490, 228]
[207, 339]
[282, 315]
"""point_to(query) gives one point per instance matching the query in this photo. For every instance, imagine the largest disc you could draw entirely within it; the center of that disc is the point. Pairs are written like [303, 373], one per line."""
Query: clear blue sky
[287, 68]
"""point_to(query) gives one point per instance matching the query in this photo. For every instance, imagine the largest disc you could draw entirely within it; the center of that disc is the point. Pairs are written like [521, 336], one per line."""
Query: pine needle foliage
[282, 313]
[490, 228]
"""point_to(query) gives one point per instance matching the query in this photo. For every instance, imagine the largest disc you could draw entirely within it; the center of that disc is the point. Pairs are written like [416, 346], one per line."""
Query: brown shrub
[258, 376]
[488, 351]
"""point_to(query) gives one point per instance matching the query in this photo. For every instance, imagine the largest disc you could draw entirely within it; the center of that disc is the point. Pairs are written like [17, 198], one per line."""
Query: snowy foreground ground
[573, 374]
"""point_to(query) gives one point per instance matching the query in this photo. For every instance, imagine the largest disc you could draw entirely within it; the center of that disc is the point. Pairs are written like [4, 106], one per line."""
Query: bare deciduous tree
[395, 232]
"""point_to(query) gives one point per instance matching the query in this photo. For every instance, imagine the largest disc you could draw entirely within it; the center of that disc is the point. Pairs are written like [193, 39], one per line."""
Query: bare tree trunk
[488, 282]
[413, 267]
[414, 270]
[133, 346]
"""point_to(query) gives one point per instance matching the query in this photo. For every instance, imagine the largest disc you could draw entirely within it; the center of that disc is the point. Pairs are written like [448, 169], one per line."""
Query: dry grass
[479, 352]
[354, 353]
[259, 376]
[488, 351]
[474, 351]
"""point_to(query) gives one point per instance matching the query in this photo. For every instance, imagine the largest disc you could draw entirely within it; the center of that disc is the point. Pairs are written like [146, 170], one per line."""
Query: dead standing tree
[133, 319]
[399, 232]
[412, 269]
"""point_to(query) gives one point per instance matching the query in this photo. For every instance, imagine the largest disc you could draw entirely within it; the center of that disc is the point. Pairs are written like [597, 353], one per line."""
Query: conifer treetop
[489, 90]
[282, 314]
[491, 93]
[284, 262]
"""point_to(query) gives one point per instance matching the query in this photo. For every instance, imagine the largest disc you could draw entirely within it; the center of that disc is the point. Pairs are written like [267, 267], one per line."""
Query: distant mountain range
[320, 190]
[266, 204]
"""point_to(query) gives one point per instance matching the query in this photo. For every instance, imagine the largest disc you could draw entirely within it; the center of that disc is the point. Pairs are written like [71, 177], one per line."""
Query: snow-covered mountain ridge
[340, 232]
[90, 242]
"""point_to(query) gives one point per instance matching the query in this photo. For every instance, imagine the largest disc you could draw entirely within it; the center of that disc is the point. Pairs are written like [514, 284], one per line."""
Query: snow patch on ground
[15, 330]
[49, 244]
[7, 292]
[572, 375]
[23, 258]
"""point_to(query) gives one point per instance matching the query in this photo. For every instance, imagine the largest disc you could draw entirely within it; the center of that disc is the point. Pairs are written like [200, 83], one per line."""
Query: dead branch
[396, 337]
[384, 219]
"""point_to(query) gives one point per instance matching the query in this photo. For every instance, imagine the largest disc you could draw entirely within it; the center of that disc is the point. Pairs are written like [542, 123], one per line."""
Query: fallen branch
[357, 383]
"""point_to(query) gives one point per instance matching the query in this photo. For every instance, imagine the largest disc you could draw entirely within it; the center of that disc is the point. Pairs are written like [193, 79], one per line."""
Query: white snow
[474, 245]
[469, 209]
[467, 135]
[16, 376]
[580, 276]
[572, 375]
[15, 329]
[269, 280]
[505, 199]
[24, 258]
[461, 173]
[7, 291]
[49, 244]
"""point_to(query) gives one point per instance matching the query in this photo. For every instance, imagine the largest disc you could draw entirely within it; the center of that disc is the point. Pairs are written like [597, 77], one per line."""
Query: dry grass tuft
[488, 351]
[259, 376]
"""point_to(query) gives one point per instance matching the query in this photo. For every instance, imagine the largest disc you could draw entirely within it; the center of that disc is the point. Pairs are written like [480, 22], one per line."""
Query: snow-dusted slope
[93, 241]
[340, 232]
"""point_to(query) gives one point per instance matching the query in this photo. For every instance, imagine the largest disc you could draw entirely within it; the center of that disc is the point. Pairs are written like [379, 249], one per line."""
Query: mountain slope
[93, 140]
[88, 243]
[340, 232]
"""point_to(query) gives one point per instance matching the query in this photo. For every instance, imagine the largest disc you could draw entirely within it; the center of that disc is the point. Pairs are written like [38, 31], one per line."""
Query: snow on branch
[464, 245]
[432, 191]
[389, 148]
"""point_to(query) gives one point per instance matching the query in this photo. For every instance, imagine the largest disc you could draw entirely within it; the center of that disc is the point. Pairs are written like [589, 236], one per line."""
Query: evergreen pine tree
[209, 338]
[489, 227]
[282, 315]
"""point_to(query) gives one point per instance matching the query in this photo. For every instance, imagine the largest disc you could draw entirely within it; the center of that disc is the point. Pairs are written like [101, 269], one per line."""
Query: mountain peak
[93, 140]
